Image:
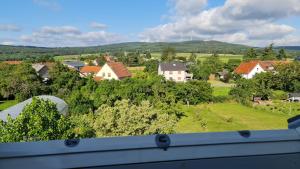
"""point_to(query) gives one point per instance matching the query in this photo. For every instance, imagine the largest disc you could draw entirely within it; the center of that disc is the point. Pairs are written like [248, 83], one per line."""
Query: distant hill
[294, 48]
[22, 52]
[187, 46]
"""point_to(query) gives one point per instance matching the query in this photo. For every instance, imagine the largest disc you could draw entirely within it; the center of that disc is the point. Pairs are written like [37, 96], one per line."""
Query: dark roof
[294, 95]
[173, 66]
[74, 63]
[297, 58]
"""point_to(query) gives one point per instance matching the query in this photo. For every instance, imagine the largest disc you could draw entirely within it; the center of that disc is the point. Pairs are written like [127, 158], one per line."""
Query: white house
[175, 71]
[113, 70]
[249, 69]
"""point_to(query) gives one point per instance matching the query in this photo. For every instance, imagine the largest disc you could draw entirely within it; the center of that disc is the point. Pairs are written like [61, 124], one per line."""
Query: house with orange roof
[89, 70]
[249, 69]
[114, 70]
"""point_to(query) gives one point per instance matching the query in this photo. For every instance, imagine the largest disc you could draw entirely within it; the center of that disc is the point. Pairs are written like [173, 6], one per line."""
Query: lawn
[203, 56]
[135, 70]
[229, 116]
[6, 104]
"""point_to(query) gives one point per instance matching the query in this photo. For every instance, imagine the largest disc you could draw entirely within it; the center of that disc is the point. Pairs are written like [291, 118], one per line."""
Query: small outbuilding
[15, 110]
[294, 97]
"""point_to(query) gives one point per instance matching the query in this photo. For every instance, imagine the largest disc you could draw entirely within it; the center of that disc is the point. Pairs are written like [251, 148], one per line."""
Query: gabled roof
[173, 66]
[120, 70]
[246, 67]
[90, 69]
[38, 67]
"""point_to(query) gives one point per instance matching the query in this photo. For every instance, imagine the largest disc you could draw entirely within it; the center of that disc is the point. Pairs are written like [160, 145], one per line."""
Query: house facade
[175, 71]
[114, 70]
[249, 69]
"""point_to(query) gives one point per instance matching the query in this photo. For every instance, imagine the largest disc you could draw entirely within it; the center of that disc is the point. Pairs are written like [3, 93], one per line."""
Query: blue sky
[95, 22]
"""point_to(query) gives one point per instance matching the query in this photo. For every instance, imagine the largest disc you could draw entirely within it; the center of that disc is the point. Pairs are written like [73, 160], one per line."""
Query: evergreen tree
[281, 55]
[250, 55]
[168, 54]
[268, 53]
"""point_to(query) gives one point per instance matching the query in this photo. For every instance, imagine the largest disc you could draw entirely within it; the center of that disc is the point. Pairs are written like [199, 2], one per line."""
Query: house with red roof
[249, 69]
[114, 70]
[89, 70]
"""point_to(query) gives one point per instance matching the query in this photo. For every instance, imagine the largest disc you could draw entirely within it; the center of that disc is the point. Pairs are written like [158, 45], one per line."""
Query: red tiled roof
[120, 70]
[90, 69]
[97, 79]
[246, 67]
[13, 62]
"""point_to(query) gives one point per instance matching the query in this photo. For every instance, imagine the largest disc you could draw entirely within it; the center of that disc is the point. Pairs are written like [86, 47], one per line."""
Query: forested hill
[21, 52]
[291, 48]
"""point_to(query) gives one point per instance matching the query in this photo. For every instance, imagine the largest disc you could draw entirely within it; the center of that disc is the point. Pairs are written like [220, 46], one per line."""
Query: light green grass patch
[229, 116]
[6, 104]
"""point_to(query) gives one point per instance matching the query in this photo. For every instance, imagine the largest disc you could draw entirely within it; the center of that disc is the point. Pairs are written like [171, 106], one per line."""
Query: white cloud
[239, 21]
[50, 4]
[69, 36]
[187, 7]
[59, 30]
[97, 25]
[7, 43]
[10, 27]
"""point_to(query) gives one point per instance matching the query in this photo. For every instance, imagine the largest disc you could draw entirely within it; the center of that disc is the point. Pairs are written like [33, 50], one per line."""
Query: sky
[60, 23]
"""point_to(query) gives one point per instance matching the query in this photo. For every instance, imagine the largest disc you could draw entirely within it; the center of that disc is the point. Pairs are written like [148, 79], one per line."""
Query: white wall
[105, 70]
[256, 70]
[176, 76]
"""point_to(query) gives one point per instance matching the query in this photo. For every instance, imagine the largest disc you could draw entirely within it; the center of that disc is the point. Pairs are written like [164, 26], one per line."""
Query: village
[199, 95]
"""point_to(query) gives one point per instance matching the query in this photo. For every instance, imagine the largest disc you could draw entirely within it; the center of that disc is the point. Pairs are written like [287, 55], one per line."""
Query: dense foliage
[39, 120]
[19, 81]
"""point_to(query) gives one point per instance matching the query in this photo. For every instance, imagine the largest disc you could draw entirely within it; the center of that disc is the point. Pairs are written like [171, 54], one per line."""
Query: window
[179, 78]
[103, 74]
[109, 74]
[170, 72]
[179, 72]
[170, 78]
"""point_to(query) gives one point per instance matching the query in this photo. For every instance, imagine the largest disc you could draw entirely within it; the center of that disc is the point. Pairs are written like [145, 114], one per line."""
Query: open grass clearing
[6, 104]
[230, 116]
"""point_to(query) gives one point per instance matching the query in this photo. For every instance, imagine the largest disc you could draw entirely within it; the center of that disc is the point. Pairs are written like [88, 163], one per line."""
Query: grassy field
[72, 57]
[230, 116]
[6, 104]
[135, 70]
[203, 56]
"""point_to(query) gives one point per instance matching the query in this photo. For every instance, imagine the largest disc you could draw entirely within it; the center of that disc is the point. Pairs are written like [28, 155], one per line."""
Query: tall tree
[250, 55]
[168, 54]
[268, 53]
[193, 57]
[281, 55]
